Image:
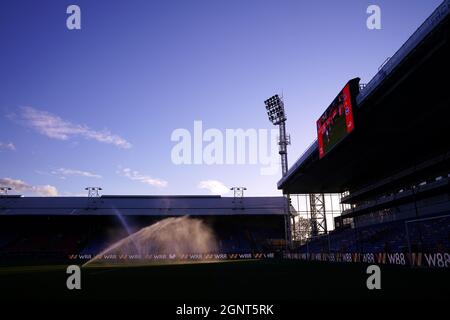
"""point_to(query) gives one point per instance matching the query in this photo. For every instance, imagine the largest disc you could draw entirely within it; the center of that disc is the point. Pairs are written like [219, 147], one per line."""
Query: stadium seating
[427, 235]
[50, 239]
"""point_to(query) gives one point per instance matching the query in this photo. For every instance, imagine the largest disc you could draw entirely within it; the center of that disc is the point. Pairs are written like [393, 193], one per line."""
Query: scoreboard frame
[337, 122]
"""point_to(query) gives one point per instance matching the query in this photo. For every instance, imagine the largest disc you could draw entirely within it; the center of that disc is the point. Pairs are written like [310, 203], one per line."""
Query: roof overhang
[401, 118]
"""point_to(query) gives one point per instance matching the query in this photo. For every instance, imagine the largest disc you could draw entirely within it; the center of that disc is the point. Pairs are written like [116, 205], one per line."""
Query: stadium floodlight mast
[93, 192]
[277, 115]
[4, 190]
[238, 191]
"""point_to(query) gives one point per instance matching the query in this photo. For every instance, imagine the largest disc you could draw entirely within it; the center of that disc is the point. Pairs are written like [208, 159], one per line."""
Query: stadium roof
[143, 205]
[401, 118]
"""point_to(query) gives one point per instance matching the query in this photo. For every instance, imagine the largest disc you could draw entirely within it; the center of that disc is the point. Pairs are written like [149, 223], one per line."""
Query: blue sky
[97, 106]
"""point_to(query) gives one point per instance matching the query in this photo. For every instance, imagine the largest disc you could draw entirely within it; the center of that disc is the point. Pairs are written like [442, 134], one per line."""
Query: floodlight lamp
[275, 109]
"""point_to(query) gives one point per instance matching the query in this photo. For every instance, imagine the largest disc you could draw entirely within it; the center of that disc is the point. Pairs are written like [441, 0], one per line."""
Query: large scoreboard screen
[337, 121]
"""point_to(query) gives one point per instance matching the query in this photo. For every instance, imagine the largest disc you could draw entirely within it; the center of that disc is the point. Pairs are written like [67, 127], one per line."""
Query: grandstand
[48, 230]
[392, 169]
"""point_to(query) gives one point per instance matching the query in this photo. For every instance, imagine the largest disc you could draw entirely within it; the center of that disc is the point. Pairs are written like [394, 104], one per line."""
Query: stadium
[75, 229]
[372, 189]
[390, 168]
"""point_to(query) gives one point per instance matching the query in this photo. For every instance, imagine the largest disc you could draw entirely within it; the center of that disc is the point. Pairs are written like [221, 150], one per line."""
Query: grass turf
[278, 280]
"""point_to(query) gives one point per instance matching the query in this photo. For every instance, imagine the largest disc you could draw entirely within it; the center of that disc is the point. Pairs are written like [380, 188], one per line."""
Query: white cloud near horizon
[214, 186]
[7, 146]
[20, 186]
[137, 176]
[64, 172]
[55, 127]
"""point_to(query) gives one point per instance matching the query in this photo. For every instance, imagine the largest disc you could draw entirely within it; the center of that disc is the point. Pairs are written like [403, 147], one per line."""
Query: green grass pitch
[279, 280]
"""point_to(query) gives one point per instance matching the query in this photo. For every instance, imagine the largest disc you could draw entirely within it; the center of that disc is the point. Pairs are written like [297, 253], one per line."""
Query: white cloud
[54, 127]
[214, 186]
[7, 146]
[136, 176]
[20, 186]
[63, 172]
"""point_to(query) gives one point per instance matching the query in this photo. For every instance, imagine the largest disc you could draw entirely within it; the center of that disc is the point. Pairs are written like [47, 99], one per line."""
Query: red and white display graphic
[336, 122]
